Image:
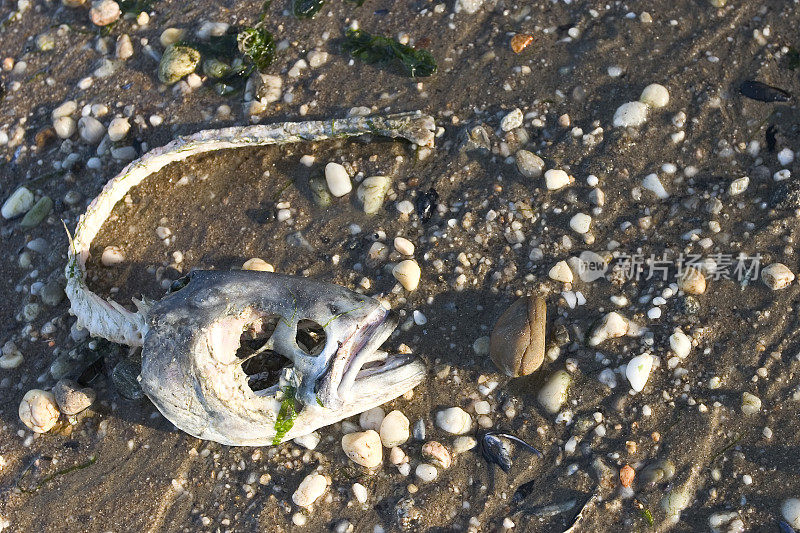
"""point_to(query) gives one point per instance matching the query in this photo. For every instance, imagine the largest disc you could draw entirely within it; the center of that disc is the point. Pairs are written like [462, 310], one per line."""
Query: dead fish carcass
[316, 357]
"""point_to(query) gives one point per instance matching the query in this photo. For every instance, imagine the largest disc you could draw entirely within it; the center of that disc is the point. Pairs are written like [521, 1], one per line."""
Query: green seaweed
[286, 415]
[92, 460]
[135, 6]
[647, 515]
[380, 49]
[257, 45]
[306, 9]
[792, 58]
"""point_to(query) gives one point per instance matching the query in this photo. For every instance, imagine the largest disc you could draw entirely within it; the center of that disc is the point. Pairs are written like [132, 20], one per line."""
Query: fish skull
[330, 337]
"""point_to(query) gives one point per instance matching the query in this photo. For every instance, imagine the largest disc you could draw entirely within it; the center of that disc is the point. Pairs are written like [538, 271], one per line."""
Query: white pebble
[655, 95]
[680, 343]
[674, 502]
[751, 404]
[363, 448]
[371, 418]
[404, 246]
[311, 488]
[64, 110]
[360, 492]
[785, 157]
[790, 509]
[631, 114]
[91, 130]
[777, 276]
[553, 393]
[394, 429]
[405, 207]
[408, 273]
[257, 264]
[638, 371]
[654, 313]
[371, 192]
[426, 473]
[580, 223]
[118, 129]
[512, 120]
[652, 183]
[112, 256]
[337, 179]
[464, 444]
[561, 272]
[781, 175]
[17, 204]
[317, 58]
[454, 420]
[739, 185]
[38, 410]
[309, 442]
[65, 127]
[555, 179]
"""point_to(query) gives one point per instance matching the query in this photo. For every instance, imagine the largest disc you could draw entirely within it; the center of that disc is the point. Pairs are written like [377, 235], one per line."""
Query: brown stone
[520, 41]
[517, 343]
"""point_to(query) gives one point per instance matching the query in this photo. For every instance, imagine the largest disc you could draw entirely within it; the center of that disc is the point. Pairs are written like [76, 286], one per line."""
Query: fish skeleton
[190, 338]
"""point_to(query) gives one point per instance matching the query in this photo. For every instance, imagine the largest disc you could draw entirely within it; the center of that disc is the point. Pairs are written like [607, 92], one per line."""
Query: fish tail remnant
[105, 318]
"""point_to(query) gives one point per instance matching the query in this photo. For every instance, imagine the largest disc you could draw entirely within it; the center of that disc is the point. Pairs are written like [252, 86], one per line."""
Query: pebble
[555, 179]
[790, 509]
[371, 418]
[317, 58]
[437, 454]
[517, 342]
[17, 204]
[65, 127]
[680, 343]
[394, 429]
[631, 114]
[112, 256]
[454, 420]
[464, 444]
[408, 273]
[467, 6]
[529, 164]
[751, 404]
[777, 276]
[299, 519]
[337, 179]
[309, 441]
[311, 488]
[171, 36]
[561, 272]
[654, 185]
[404, 246]
[372, 192]
[512, 121]
[360, 492]
[612, 325]
[90, 129]
[674, 502]
[553, 393]
[363, 448]
[638, 371]
[580, 223]
[692, 281]
[118, 129]
[71, 397]
[739, 185]
[104, 12]
[124, 47]
[785, 157]
[64, 110]
[178, 61]
[37, 213]
[258, 264]
[11, 357]
[38, 410]
[397, 456]
[426, 473]
[655, 95]
[52, 293]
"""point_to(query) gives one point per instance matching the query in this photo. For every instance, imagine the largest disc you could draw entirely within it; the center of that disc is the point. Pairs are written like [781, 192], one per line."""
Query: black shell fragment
[762, 92]
[496, 451]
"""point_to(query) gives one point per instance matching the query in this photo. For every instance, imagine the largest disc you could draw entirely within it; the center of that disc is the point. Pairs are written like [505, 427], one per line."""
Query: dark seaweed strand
[380, 49]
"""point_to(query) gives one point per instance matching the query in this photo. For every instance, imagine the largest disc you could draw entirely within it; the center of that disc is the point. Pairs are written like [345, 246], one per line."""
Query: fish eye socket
[179, 283]
[311, 337]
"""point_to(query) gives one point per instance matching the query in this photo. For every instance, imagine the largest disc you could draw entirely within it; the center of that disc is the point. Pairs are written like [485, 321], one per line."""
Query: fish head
[221, 353]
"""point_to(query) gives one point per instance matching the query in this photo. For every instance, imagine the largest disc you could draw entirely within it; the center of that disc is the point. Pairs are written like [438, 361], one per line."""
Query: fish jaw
[191, 371]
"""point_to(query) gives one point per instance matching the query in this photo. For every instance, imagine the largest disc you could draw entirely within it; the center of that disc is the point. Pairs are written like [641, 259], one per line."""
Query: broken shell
[611, 326]
[72, 398]
[372, 192]
[777, 276]
[38, 410]
[554, 392]
[517, 343]
[520, 41]
[454, 420]
[626, 475]
[407, 273]
[256, 263]
[363, 448]
[692, 281]
[437, 454]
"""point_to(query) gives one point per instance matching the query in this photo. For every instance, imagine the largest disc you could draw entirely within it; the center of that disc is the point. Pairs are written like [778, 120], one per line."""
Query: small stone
[104, 12]
[171, 36]
[680, 343]
[360, 492]
[37, 213]
[363, 448]
[751, 404]
[426, 473]
[317, 58]
[408, 273]
[319, 192]
[65, 127]
[268, 87]
[555, 179]
[530, 165]
[612, 325]
[437, 454]
[178, 61]
[17, 204]
[45, 42]
[394, 429]
[372, 192]
[626, 475]
[631, 115]
[118, 129]
[112, 256]
[11, 357]
[580, 223]
[520, 42]
[653, 184]
[298, 519]
[454, 420]
[655, 95]
[404, 246]
[553, 393]
[371, 418]
[256, 263]
[90, 129]
[124, 47]
[785, 157]
[638, 371]
[52, 293]
[71, 397]
[469, 7]
[64, 110]
[309, 441]
[561, 272]
[464, 444]
[517, 343]
[790, 509]
[692, 281]
[337, 179]
[38, 410]
[674, 502]
[311, 488]
[397, 456]
[512, 121]
[739, 185]
[777, 276]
